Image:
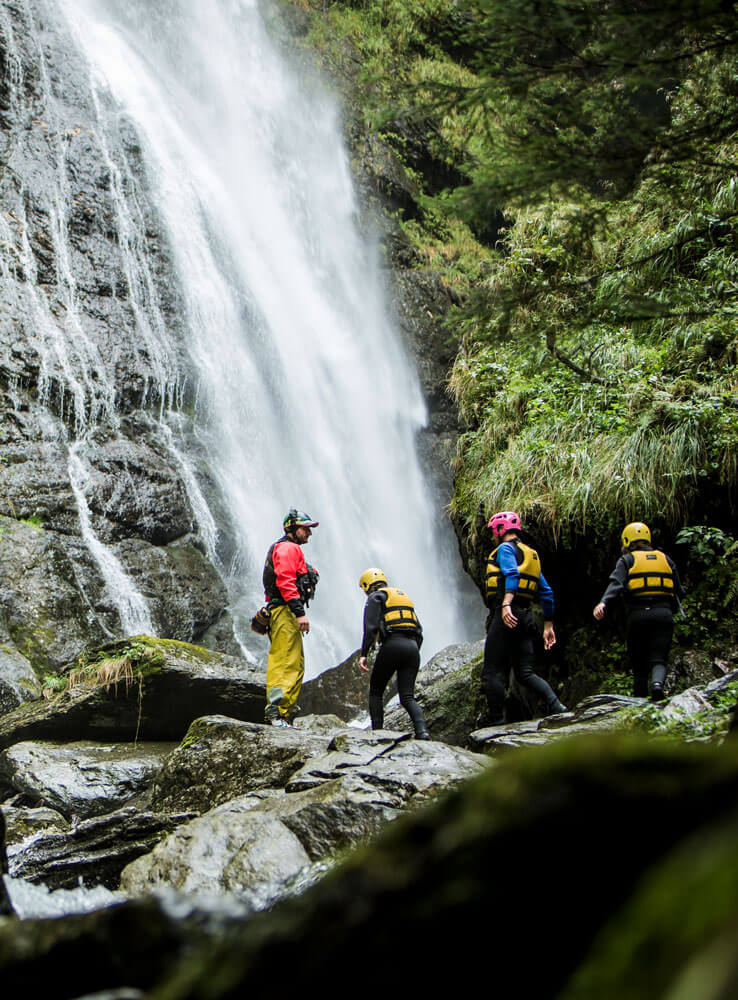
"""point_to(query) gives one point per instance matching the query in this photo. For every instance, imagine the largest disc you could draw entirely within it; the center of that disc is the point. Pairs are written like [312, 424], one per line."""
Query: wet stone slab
[82, 779]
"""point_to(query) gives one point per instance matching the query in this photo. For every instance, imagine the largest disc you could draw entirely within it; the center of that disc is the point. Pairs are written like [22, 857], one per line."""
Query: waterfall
[301, 392]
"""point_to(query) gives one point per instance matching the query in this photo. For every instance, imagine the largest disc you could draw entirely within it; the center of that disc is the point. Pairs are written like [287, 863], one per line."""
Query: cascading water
[302, 392]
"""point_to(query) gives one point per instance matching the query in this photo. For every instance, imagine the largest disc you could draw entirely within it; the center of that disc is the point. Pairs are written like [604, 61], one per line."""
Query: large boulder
[303, 797]
[141, 688]
[221, 758]
[233, 849]
[447, 877]
[341, 690]
[594, 714]
[411, 770]
[254, 846]
[82, 779]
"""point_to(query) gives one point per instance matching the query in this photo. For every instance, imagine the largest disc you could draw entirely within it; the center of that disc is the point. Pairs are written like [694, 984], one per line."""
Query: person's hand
[549, 636]
[363, 666]
[508, 618]
[599, 612]
[303, 624]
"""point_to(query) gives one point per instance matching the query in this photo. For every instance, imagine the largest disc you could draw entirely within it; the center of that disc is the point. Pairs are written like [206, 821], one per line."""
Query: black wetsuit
[649, 626]
[506, 647]
[399, 652]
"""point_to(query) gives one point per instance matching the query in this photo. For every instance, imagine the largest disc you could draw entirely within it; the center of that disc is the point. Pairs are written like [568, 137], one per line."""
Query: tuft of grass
[105, 668]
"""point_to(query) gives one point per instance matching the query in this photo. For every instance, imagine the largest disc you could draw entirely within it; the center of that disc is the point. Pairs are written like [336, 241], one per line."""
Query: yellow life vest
[399, 610]
[650, 575]
[529, 568]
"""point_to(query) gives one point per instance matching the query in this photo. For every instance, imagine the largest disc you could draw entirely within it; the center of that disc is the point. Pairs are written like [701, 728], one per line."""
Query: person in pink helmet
[514, 581]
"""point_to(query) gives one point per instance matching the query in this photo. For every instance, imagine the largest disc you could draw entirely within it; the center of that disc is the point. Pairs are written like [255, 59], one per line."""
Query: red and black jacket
[284, 567]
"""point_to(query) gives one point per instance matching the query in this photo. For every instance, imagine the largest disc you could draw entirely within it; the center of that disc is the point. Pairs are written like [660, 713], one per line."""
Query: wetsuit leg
[497, 654]
[650, 632]
[524, 659]
[382, 671]
[406, 656]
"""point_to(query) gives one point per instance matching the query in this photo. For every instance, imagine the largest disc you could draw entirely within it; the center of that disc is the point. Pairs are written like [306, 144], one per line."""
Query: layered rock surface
[432, 879]
[200, 815]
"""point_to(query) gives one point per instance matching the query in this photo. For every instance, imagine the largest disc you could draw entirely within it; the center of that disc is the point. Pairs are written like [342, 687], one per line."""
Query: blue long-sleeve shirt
[508, 564]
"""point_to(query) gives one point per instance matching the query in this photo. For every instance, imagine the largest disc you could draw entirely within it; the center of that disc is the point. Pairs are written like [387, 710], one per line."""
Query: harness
[529, 567]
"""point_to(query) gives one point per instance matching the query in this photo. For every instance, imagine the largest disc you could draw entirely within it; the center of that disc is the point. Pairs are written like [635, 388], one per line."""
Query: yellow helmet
[635, 532]
[370, 576]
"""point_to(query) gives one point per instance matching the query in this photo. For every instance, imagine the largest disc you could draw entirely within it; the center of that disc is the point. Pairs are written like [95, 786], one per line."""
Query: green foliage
[34, 522]
[712, 569]
[125, 662]
[620, 683]
[53, 684]
[707, 544]
[598, 372]
[597, 369]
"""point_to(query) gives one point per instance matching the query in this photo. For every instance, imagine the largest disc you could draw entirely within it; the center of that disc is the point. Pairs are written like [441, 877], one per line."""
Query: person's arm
[373, 615]
[546, 597]
[508, 565]
[615, 586]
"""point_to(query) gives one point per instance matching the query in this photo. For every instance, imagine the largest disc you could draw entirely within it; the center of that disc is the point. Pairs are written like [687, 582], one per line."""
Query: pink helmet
[506, 520]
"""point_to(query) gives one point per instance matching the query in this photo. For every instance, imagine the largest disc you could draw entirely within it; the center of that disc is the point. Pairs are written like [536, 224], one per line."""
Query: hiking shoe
[280, 723]
[423, 734]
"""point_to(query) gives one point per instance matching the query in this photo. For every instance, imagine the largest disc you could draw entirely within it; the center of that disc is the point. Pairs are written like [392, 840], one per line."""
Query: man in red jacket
[289, 585]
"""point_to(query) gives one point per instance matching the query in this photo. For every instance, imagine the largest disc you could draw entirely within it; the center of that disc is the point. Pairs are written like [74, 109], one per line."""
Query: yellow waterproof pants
[286, 660]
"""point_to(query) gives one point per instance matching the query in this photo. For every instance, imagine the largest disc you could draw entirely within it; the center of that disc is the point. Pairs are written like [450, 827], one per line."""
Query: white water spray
[304, 394]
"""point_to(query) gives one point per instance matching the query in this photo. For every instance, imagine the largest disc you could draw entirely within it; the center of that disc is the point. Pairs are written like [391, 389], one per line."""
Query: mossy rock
[585, 819]
[141, 688]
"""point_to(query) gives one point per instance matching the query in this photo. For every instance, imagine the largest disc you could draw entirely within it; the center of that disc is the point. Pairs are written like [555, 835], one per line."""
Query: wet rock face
[18, 682]
[95, 850]
[90, 350]
[222, 758]
[44, 616]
